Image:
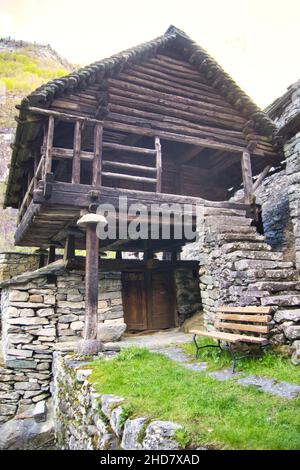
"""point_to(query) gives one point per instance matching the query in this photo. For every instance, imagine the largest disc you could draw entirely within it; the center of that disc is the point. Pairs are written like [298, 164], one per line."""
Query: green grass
[272, 364]
[217, 414]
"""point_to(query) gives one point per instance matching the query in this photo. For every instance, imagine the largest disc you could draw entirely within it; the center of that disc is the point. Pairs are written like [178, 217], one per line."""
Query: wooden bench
[237, 325]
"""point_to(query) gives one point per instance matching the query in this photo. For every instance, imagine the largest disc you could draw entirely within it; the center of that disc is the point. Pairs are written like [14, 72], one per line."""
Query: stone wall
[87, 420]
[188, 298]
[39, 315]
[12, 264]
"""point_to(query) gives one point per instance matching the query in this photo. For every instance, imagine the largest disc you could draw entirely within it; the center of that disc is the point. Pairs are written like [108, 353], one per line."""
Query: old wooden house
[159, 123]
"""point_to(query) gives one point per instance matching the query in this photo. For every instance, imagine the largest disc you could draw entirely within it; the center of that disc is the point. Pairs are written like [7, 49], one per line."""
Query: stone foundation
[87, 420]
[38, 316]
[13, 264]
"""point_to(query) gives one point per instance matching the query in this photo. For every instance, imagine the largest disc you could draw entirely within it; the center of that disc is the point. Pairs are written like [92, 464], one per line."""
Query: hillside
[24, 66]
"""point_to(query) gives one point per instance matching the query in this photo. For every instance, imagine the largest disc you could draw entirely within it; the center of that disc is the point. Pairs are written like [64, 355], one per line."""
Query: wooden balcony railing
[100, 168]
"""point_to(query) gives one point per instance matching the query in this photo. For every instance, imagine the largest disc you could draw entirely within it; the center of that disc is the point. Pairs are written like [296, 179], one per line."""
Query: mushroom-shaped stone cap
[91, 219]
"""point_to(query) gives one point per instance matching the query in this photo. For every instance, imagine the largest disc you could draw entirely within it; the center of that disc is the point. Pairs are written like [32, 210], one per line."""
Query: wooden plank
[242, 327]
[97, 162]
[158, 165]
[261, 177]
[60, 115]
[91, 283]
[128, 148]
[61, 153]
[245, 318]
[249, 309]
[49, 145]
[76, 154]
[230, 337]
[189, 155]
[140, 179]
[128, 166]
[247, 177]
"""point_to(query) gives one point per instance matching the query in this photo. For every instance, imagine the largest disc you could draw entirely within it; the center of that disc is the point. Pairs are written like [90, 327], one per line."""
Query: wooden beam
[261, 177]
[91, 283]
[76, 154]
[59, 115]
[247, 177]
[49, 145]
[51, 255]
[158, 165]
[97, 162]
[69, 252]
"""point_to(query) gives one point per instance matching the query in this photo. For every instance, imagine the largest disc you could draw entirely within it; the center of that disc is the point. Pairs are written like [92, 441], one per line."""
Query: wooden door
[134, 300]
[161, 300]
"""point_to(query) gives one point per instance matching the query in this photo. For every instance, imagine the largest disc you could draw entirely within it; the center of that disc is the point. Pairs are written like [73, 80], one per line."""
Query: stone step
[233, 229]
[252, 237]
[244, 264]
[232, 221]
[273, 274]
[277, 286]
[245, 246]
[282, 300]
[222, 211]
[255, 255]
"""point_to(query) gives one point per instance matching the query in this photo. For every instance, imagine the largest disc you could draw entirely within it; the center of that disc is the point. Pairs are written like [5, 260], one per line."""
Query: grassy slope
[22, 70]
[217, 414]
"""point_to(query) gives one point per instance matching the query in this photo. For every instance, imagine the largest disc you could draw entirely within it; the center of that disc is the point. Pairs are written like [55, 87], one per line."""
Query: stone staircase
[239, 267]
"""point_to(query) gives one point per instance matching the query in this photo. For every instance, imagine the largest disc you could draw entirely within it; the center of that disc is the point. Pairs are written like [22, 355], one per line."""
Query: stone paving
[268, 385]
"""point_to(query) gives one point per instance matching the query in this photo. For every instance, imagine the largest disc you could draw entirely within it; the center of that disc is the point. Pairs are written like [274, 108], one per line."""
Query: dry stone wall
[37, 317]
[87, 420]
[188, 296]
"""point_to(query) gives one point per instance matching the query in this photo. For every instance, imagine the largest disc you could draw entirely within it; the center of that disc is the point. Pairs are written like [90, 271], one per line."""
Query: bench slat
[230, 337]
[253, 309]
[247, 318]
[242, 327]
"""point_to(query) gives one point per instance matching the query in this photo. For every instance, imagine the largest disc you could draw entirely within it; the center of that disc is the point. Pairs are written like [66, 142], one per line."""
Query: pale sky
[255, 41]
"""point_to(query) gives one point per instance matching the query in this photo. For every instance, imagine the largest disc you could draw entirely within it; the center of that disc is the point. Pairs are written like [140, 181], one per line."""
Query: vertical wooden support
[49, 145]
[69, 252]
[76, 154]
[51, 254]
[91, 282]
[35, 169]
[247, 177]
[97, 162]
[158, 164]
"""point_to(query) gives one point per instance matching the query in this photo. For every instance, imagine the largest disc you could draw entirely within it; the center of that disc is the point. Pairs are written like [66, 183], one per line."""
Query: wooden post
[51, 254]
[158, 164]
[247, 177]
[49, 145]
[91, 282]
[76, 154]
[69, 252]
[97, 162]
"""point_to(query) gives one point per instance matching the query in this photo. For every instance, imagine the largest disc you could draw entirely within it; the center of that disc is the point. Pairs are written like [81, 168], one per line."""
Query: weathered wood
[51, 254]
[91, 283]
[76, 154]
[244, 318]
[158, 165]
[189, 155]
[97, 162]
[128, 166]
[60, 115]
[242, 327]
[247, 177]
[128, 148]
[69, 251]
[140, 179]
[261, 177]
[49, 145]
[230, 337]
[247, 310]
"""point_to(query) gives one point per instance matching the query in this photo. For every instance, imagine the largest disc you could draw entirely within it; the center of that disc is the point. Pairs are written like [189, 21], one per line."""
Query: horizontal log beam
[128, 166]
[139, 179]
